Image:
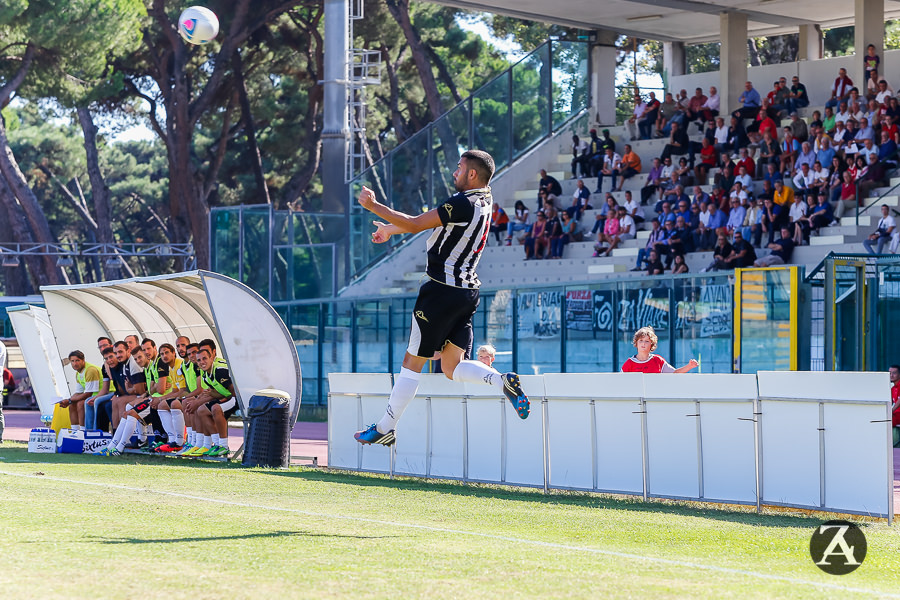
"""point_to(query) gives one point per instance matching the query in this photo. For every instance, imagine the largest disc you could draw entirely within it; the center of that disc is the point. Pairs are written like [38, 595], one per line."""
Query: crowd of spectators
[775, 184]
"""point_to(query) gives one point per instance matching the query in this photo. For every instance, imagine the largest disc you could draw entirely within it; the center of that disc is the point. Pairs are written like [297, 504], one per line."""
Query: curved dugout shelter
[198, 304]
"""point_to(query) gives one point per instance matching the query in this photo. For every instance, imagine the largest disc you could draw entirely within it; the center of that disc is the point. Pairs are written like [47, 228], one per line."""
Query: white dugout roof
[198, 304]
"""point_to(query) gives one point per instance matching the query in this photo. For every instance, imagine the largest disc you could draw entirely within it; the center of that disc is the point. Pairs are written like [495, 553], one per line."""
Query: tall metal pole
[335, 130]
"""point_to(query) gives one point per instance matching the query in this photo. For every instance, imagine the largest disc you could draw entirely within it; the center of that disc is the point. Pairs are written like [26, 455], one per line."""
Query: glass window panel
[570, 80]
[703, 322]
[497, 327]
[589, 329]
[256, 250]
[402, 309]
[226, 241]
[281, 227]
[313, 274]
[282, 275]
[449, 139]
[887, 316]
[491, 118]
[362, 251]
[373, 336]
[337, 342]
[317, 228]
[303, 324]
[410, 175]
[765, 320]
[643, 304]
[539, 325]
[530, 99]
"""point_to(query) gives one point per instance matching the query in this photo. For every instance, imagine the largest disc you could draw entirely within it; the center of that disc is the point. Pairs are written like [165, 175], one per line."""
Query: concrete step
[826, 240]
[607, 268]
[864, 221]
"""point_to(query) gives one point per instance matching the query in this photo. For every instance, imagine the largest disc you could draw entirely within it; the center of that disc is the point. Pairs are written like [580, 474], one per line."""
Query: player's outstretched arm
[404, 223]
[692, 364]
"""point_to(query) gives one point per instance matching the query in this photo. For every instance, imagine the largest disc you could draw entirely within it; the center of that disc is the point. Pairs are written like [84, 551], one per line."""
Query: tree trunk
[21, 233]
[754, 52]
[400, 11]
[34, 214]
[99, 189]
[250, 129]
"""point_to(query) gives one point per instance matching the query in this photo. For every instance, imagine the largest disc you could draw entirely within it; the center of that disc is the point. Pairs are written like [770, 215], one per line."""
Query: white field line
[542, 544]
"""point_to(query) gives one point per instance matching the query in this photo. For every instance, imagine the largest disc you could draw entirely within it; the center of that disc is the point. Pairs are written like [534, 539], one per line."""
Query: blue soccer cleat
[516, 394]
[371, 436]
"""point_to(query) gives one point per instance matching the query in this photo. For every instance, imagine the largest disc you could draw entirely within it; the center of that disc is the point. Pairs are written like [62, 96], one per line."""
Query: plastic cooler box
[95, 440]
[70, 442]
[42, 440]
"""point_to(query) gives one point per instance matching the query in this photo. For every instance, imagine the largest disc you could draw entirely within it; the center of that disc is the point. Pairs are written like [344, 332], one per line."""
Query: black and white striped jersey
[455, 249]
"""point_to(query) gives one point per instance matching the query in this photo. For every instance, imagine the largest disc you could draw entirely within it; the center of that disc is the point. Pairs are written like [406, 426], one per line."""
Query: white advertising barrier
[45, 368]
[810, 440]
[594, 430]
[826, 441]
[700, 437]
[450, 431]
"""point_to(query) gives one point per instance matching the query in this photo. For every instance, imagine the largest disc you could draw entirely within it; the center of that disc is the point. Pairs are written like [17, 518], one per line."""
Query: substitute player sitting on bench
[167, 407]
[211, 405]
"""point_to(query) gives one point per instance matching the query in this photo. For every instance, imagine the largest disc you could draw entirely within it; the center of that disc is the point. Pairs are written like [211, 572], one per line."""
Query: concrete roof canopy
[687, 21]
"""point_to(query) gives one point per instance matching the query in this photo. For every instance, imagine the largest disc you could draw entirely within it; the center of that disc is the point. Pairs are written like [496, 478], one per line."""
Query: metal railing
[506, 117]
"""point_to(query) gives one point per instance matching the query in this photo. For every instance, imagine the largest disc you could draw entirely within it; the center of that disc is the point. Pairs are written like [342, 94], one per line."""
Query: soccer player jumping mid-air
[442, 317]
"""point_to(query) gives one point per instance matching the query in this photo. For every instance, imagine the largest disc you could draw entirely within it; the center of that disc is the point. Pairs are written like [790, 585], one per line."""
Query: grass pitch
[141, 527]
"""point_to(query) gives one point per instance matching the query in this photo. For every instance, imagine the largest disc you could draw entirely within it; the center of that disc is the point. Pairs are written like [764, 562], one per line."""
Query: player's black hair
[192, 345]
[135, 350]
[101, 338]
[208, 343]
[152, 343]
[107, 351]
[482, 162]
[120, 343]
[77, 354]
[894, 367]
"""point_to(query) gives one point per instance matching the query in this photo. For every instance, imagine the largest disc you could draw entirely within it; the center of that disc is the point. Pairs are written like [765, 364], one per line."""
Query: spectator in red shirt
[894, 371]
[645, 340]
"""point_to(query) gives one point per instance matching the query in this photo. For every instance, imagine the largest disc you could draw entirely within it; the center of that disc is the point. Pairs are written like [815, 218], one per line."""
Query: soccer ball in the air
[198, 25]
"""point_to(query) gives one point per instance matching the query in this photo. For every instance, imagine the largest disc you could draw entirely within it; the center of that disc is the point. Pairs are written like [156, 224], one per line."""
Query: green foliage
[528, 34]
[73, 40]
[702, 58]
[44, 139]
[839, 41]
[892, 34]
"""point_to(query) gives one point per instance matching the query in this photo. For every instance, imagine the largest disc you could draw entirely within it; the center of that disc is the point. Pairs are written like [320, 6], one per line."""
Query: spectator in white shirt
[639, 108]
[887, 230]
[803, 182]
[820, 179]
[843, 114]
[745, 180]
[610, 163]
[710, 109]
[884, 92]
[634, 208]
[867, 148]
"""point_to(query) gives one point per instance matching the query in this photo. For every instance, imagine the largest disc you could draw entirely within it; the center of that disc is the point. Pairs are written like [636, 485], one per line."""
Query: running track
[307, 439]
